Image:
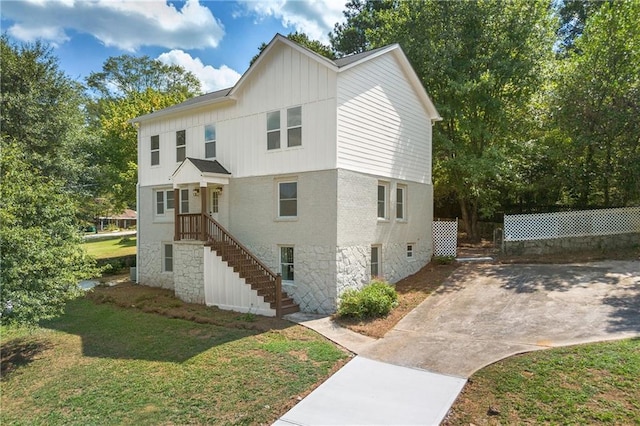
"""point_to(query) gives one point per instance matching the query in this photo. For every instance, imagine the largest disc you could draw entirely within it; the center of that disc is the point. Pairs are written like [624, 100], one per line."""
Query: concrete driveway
[488, 312]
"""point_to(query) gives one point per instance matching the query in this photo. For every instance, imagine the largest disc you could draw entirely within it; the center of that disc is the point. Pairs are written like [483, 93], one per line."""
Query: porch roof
[203, 172]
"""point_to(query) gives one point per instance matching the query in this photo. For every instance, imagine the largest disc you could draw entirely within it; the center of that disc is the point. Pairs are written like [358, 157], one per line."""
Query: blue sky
[213, 39]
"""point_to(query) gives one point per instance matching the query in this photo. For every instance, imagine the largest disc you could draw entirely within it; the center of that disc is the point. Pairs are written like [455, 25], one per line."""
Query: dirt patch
[411, 292]
[163, 302]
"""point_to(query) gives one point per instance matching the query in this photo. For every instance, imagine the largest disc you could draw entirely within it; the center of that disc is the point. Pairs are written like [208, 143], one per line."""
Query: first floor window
[288, 199]
[375, 261]
[181, 145]
[184, 201]
[214, 201]
[286, 263]
[168, 258]
[400, 202]
[409, 251]
[382, 201]
[164, 201]
[155, 150]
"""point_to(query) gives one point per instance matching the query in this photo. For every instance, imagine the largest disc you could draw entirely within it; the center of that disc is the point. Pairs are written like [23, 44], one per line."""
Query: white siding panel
[286, 79]
[383, 128]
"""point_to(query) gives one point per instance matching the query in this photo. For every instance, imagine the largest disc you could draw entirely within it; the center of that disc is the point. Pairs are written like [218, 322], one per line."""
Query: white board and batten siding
[285, 79]
[383, 127]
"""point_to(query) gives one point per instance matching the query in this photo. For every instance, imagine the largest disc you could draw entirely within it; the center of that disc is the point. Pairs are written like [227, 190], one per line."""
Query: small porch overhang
[202, 172]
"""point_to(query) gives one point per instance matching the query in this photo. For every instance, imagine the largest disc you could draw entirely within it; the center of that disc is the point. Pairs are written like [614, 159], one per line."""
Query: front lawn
[586, 384]
[115, 247]
[104, 364]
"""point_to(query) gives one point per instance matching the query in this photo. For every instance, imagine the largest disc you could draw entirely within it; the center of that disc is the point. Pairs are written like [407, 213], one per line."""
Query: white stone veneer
[188, 271]
[150, 266]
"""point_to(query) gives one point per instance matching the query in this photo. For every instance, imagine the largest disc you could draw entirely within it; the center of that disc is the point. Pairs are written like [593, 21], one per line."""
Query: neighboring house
[125, 220]
[315, 169]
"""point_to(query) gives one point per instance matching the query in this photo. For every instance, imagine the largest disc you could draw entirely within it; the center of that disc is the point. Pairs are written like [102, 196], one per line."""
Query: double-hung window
[167, 258]
[164, 201]
[294, 126]
[401, 202]
[210, 141]
[184, 201]
[273, 130]
[382, 201]
[286, 263]
[288, 199]
[181, 145]
[410, 251]
[155, 150]
[375, 261]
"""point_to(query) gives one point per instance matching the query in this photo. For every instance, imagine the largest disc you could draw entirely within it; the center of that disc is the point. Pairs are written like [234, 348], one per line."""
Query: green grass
[586, 384]
[100, 364]
[116, 247]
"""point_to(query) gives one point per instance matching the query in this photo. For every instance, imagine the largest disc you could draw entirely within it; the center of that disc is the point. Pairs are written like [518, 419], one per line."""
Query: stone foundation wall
[188, 271]
[574, 244]
[149, 264]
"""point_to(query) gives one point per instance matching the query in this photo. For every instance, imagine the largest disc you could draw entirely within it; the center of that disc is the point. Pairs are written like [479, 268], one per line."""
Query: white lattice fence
[582, 223]
[445, 238]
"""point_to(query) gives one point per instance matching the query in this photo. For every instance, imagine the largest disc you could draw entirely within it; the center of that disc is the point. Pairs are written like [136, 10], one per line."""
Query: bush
[374, 300]
[443, 260]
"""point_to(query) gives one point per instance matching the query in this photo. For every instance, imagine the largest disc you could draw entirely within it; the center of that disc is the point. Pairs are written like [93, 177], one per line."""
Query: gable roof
[208, 166]
[194, 170]
[337, 65]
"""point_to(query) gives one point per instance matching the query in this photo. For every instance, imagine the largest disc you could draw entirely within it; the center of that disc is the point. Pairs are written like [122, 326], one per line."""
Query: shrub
[443, 260]
[374, 300]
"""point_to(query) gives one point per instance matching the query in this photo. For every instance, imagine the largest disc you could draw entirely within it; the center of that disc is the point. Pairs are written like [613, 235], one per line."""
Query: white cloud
[125, 24]
[211, 78]
[316, 18]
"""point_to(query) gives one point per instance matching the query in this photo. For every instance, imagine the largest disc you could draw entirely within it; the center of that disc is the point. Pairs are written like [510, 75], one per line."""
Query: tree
[42, 111]
[481, 63]
[596, 109]
[40, 253]
[303, 40]
[129, 87]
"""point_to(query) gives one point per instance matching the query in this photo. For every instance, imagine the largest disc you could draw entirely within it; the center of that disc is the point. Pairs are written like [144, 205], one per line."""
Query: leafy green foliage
[41, 256]
[376, 299]
[303, 40]
[595, 107]
[129, 87]
[481, 63]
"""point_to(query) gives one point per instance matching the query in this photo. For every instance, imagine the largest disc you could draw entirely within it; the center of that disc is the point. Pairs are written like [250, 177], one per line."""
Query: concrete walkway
[484, 313]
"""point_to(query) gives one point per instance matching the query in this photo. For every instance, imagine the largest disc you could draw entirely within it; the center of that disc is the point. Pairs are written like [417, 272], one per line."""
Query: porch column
[176, 211]
[203, 212]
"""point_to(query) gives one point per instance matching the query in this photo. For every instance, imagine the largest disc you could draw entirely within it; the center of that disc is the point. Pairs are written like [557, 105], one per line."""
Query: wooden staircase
[255, 273]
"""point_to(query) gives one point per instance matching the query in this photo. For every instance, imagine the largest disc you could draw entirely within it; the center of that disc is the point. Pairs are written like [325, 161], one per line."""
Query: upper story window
[294, 126]
[155, 150]
[382, 201]
[273, 130]
[164, 201]
[401, 202]
[210, 141]
[288, 199]
[181, 145]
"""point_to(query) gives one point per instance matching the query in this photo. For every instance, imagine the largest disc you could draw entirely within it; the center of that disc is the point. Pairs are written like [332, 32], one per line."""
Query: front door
[214, 203]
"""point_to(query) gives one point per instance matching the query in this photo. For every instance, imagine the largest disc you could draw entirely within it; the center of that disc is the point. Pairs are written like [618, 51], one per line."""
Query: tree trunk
[469, 211]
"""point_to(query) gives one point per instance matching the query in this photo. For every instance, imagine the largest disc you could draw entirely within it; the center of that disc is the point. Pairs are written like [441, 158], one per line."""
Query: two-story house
[308, 177]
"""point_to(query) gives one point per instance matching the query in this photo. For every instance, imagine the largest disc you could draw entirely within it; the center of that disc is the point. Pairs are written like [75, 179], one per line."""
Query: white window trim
[411, 254]
[168, 211]
[294, 127]
[184, 146]
[286, 218]
[404, 203]
[379, 263]
[279, 130]
[164, 258]
[154, 150]
[280, 262]
[386, 201]
[214, 141]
